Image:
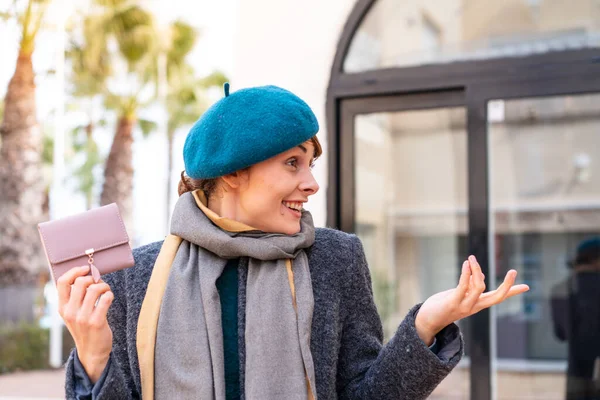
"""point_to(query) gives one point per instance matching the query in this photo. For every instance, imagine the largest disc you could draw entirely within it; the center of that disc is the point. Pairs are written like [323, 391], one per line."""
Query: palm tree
[21, 183]
[140, 46]
[132, 29]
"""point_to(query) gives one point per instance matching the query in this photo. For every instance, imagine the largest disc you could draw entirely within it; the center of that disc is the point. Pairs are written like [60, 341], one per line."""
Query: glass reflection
[399, 33]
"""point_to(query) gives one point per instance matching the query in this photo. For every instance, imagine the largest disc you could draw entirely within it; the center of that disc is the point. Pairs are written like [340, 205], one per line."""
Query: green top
[227, 285]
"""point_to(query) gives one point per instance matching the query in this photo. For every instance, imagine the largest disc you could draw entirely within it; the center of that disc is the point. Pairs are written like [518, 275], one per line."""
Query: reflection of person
[245, 298]
[576, 317]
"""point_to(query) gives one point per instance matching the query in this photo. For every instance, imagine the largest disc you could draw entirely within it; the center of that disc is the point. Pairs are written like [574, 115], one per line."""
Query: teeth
[293, 205]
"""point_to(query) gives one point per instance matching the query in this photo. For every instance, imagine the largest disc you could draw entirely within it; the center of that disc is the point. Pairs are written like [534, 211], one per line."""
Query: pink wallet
[96, 237]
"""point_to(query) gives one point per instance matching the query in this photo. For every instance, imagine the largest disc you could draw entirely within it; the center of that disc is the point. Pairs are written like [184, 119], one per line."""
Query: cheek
[261, 202]
[266, 191]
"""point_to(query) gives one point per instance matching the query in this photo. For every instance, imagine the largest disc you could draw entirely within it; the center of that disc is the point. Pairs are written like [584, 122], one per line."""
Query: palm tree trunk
[21, 180]
[170, 138]
[118, 173]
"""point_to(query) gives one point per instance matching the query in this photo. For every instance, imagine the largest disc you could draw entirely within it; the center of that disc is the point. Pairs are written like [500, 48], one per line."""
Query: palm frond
[147, 126]
[31, 21]
[90, 63]
[113, 102]
[111, 3]
[183, 39]
[215, 79]
[43, 5]
[187, 98]
[133, 29]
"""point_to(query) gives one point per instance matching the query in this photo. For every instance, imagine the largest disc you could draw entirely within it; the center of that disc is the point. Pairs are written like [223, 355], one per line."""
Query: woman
[245, 298]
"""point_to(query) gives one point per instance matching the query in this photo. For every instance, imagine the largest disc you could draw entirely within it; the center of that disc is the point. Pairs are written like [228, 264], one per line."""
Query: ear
[234, 180]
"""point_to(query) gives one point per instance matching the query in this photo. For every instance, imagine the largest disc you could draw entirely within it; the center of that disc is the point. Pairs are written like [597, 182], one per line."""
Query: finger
[513, 291]
[477, 285]
[475, 267]
[99, 313]
[63, 284]
[516, 290]
[487, 302]
[79, 289]
[94, 291]
[497, 296]
[463, 283]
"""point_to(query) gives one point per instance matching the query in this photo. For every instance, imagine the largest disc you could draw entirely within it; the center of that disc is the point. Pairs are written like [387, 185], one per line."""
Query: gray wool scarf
[189, 360]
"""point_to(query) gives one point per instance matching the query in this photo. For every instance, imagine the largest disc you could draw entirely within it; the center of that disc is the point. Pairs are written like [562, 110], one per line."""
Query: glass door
[544, 156]
[410, 205]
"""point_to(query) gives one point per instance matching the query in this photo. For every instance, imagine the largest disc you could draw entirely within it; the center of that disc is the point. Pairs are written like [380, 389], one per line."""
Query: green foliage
[90, 61]
[186, 99]
[83, 142]
[111, 3]
[183, 40]
[48, 150]
[217, 78]
[29, 14]
[25, 346]
[176, 42]
[30, 20]
[129, 24]
[94, 61]
[147, 126]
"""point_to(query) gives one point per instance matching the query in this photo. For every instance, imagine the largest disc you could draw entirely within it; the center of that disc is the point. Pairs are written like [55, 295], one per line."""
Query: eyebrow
[303, 148]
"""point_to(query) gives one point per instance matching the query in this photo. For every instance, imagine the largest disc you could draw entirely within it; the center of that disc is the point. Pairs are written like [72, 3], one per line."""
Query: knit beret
[249, 126]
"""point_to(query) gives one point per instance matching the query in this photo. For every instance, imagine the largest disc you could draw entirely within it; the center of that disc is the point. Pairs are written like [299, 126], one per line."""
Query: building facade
[455, 127]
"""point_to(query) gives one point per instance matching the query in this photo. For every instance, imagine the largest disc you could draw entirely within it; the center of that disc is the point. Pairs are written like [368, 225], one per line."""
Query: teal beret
[245, 128]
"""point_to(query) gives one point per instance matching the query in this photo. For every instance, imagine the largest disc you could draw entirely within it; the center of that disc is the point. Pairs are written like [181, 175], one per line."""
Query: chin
[290, 229]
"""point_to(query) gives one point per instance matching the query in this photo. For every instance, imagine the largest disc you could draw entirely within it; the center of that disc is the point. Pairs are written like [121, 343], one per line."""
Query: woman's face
[272, 193]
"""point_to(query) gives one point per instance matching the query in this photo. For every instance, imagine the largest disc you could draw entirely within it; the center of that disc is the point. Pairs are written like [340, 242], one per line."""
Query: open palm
[468, 298]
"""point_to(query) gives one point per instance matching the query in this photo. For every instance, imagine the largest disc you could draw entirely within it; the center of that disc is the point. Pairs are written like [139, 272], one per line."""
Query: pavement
[34, 385]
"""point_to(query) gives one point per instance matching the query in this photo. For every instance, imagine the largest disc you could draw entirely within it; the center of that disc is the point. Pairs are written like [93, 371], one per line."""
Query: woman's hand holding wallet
[86, 320]
[99, 237]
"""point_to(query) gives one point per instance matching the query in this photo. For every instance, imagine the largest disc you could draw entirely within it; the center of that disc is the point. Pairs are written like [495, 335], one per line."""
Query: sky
[214, 51]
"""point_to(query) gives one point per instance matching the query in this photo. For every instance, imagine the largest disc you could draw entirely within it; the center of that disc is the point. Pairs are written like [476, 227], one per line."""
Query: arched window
[399, 33]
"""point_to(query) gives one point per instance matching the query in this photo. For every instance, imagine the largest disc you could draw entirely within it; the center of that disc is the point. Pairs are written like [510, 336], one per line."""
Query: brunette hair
[208, 186]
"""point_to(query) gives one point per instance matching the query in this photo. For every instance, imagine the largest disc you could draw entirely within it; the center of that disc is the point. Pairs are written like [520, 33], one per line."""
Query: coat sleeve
[405, 368]
[117, 382]
[84, 388]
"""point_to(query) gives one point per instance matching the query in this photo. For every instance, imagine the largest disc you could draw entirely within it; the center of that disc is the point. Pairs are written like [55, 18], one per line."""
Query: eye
[292, 162]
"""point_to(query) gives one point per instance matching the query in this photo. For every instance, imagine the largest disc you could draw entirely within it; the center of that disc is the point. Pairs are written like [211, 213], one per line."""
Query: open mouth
[293, 205]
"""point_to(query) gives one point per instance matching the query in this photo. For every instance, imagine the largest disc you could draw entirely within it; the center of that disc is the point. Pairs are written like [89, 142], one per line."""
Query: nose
[309, 185]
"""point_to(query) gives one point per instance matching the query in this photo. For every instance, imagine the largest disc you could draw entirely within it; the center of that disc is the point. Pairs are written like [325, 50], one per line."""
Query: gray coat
[349, 358]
